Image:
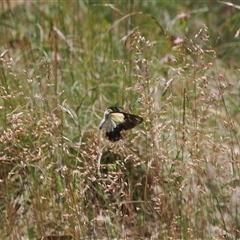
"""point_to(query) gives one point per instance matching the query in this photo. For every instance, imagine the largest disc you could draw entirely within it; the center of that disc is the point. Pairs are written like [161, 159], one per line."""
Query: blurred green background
[175, 63]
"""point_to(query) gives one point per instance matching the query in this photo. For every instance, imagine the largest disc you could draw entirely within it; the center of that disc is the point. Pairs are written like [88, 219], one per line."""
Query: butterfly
[115, 120]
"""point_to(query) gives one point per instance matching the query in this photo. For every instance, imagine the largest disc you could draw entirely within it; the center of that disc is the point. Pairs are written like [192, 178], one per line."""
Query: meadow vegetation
[174, 63]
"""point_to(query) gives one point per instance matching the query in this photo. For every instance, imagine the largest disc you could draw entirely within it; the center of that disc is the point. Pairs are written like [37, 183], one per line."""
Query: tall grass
[175, 176]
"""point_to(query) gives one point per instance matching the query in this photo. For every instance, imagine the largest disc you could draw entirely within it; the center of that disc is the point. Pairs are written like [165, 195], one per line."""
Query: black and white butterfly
[115, 120]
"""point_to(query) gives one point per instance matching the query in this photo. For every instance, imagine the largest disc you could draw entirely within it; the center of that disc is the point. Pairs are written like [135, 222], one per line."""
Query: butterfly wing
[115, 120]
[114, 135]
[113, 132]
[116, 109]
[131, 121]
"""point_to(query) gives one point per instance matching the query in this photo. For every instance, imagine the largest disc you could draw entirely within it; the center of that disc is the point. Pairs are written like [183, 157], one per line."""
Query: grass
[175, 176]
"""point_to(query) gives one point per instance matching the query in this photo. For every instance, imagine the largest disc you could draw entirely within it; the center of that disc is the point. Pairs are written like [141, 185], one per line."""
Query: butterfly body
[115, 120]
